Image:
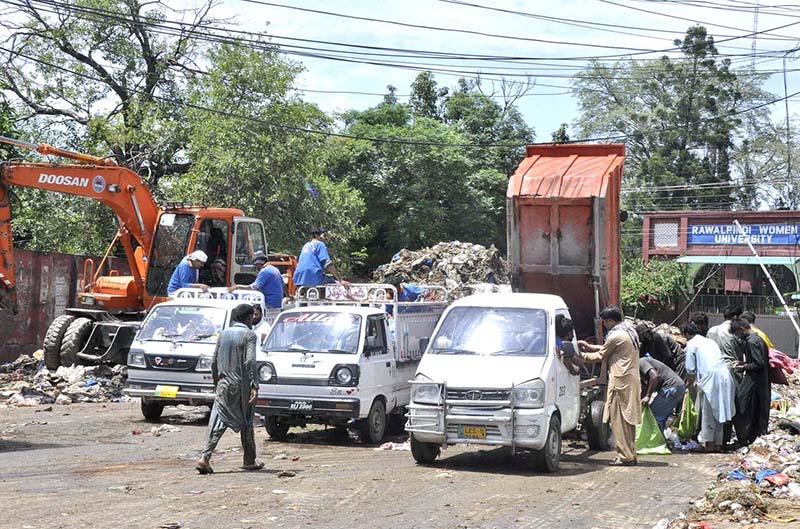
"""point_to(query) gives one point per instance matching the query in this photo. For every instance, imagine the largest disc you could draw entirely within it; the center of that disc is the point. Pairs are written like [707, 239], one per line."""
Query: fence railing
[759, 304]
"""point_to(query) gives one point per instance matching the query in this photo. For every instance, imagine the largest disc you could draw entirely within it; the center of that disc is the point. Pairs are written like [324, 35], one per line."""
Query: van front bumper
[311, 407]
[448, 425]
[186, 394]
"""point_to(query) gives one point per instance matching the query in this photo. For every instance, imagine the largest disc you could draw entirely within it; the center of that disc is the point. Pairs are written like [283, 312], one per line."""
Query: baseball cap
[259, 256]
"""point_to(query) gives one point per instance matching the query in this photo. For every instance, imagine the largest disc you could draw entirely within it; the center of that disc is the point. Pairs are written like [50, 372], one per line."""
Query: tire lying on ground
[75, 340]
[53, 340]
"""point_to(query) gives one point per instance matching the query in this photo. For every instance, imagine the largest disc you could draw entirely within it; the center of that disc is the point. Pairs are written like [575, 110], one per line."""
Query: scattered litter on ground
[156, 431]
[136, 431]
[279, 491]
[462, 268]
[444, 475]
[287, 474]
[123, 488]
[27, 382]
[403, 447]
[171, 525]
[280, 456]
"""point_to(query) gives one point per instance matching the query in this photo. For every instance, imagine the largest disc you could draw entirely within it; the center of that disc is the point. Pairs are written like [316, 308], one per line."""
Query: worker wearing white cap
[185, 274]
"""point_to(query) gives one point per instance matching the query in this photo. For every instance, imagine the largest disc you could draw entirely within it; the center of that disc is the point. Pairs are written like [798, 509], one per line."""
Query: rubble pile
[27, 382]
[462, 268]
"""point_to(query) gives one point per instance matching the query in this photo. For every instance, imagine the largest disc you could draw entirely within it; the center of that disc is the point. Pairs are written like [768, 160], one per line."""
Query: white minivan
[344, 358]
[492, 375]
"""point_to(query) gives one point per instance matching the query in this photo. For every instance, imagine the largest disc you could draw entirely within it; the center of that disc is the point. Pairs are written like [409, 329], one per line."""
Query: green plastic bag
[687, 425]
[649, 437]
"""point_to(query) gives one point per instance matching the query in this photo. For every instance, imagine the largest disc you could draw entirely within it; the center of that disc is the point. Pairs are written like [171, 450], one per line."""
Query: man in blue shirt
[407, 292]
[269, 282]
[185, 274]
[314, 262]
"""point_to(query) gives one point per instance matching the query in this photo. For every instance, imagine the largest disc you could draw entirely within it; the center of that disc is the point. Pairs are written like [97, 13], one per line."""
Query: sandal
[620, 463]
[258, 465]
[204, 469]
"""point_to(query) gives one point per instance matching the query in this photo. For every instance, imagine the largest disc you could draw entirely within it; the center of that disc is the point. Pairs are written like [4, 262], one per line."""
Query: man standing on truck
[233, 368]
[269, 282]
[185, 274]
[623, 407]
[315, 262]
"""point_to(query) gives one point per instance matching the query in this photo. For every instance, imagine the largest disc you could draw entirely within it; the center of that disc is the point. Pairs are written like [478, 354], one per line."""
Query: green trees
[681, 119]
[428, 184]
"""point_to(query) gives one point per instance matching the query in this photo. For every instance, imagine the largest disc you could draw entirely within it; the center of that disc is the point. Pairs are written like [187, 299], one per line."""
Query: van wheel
[548, 458]
[152, 410]
[75, 340]
[53, 339]
[424, 453]
[372, 429]
[277, 427]
[598, 434]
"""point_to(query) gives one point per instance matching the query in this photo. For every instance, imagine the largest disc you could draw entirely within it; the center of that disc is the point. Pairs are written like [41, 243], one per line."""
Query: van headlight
[136, 359]
[204, 363]
[344, 375]
[426, 393]
[267, 375]
[529, 394]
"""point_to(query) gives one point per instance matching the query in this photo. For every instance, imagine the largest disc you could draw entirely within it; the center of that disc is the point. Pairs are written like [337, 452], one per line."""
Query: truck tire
[75, 340]
[151, 410]
[277, 427]
[53, 339]
[548, 458]
[372, 429]
[598, 433]
[424, 453]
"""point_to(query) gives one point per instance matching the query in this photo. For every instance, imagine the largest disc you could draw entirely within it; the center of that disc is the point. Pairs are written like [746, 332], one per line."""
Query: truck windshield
[491, 331]
[321, 332]
[183, 324]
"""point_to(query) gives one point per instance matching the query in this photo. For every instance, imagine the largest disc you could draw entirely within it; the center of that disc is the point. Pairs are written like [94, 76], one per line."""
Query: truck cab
[492, 375]
[169, 362]
[344, 357]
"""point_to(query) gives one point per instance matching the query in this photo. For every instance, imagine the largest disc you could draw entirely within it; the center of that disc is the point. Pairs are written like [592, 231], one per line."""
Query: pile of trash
[762, 483]
[663, 328]
[462, 268]
[27, 382]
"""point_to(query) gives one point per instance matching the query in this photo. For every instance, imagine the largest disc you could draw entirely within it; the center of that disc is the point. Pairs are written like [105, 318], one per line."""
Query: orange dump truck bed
[564, 226]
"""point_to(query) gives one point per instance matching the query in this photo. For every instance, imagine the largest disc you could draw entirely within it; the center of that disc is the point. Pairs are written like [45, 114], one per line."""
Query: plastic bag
[650, 439]
[687, 424]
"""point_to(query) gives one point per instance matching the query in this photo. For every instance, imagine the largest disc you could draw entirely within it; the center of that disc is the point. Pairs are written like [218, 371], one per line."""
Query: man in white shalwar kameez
[705, 364]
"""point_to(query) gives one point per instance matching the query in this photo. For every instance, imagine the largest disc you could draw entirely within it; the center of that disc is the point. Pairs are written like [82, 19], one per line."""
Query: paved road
[80, 466]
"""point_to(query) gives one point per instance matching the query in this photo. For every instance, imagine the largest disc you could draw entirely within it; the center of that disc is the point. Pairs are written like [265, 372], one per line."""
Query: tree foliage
[653, 286]
[681, 119]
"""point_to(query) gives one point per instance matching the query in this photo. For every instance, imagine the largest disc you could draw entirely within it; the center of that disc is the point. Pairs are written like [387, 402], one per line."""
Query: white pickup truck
[492, 375]
[344, 357]
[169, 362]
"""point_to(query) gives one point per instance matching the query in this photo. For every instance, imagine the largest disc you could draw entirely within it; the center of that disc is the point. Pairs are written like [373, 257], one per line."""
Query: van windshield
[321, 332]
[491, 331]
[183, 324]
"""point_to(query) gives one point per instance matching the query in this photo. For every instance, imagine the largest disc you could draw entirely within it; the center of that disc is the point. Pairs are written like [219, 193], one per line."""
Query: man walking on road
[623, 406]
[234, 370]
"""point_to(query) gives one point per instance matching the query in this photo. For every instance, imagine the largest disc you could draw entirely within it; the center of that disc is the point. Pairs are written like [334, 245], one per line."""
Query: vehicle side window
[376, 336]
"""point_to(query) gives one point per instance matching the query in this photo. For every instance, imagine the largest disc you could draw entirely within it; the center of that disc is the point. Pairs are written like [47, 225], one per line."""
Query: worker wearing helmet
[185, 274]
[314, 262]
[269, 282]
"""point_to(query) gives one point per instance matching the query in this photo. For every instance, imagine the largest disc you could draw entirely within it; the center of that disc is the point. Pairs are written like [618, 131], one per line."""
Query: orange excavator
[154, 238]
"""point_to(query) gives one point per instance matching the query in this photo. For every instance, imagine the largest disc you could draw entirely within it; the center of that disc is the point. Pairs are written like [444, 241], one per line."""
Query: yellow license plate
[169, 392]
[473, 432]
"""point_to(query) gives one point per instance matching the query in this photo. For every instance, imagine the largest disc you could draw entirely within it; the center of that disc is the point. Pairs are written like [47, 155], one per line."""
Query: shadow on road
[9, 445]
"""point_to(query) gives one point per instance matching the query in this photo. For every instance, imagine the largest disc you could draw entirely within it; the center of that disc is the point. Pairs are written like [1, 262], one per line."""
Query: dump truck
[154, 239]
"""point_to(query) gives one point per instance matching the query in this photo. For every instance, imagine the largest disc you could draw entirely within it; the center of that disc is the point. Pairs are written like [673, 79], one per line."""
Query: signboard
[762, 234]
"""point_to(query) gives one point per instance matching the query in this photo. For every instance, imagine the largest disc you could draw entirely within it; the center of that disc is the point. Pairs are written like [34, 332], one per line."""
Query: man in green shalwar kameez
[236, 383]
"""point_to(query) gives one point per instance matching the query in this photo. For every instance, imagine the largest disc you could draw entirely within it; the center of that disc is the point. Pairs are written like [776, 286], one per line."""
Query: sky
[537, 31]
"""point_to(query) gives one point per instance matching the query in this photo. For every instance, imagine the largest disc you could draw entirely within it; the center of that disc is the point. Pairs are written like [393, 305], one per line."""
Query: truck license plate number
[300, 405]
[472, 432]
[169, 392]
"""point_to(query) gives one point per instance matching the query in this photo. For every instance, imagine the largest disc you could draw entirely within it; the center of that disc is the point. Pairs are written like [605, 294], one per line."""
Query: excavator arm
[101, 179]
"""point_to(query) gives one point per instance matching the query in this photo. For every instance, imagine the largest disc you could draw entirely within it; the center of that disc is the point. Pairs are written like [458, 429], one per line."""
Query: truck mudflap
[309, 407]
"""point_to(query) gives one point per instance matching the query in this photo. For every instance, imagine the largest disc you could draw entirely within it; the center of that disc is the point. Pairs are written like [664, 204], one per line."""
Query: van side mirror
[423, 344]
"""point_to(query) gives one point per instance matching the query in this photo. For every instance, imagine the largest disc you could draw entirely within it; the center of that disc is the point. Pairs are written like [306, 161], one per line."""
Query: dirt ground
[82, 466]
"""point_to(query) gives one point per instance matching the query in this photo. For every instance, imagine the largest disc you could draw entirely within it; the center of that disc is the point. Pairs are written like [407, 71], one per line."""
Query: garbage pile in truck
[463, 268]
[27, 382]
